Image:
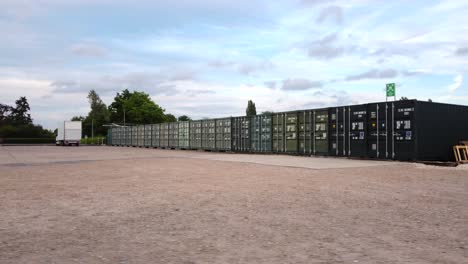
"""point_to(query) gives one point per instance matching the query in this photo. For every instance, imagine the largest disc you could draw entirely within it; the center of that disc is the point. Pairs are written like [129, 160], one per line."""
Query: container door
[291, 132]
[357, 137]
[403, 139]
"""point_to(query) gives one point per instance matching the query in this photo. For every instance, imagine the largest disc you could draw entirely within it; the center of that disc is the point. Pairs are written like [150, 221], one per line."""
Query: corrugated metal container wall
[155, 135]
[141, 135]
[173, 135]
[122, 136]
[305, 132]
[279, 142]
[164, 135]
[128, 136]
[379, 127]
[116, 138]
[209, 134]
[109, 136]
[241, 134]
[184, 135]
[321, 132]
[261, 133]
[438, 128]
[195, 134]
[148, 135]
[134, 136]
[338, 124]
[114, 134]
[223, 134]
[291, 134]
[357, 131]
[405, 123]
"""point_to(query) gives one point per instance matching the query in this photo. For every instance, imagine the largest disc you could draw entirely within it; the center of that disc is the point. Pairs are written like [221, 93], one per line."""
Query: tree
[430, 100]
[16, 122]
[404, 98]
[170, 118]
[20, 113]
[251, 109]
[135, 107]
[78, 118]
[267, 112]
[184, 118]
[97, 116]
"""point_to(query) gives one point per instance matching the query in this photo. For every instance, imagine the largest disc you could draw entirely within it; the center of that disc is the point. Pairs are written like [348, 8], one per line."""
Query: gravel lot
[128, 205]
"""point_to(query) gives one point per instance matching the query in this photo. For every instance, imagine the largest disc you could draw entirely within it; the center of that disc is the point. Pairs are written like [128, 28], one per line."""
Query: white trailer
[69, 133]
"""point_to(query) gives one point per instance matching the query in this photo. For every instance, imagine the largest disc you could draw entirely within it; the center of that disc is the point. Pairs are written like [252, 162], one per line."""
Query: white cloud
[457, 82]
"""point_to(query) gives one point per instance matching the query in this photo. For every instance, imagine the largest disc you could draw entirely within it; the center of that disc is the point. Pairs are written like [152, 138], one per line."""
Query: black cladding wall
[399, 130]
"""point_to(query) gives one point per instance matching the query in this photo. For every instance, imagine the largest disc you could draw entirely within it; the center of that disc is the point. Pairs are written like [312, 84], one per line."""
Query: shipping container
[357, 131]
[209, 134]
[148, 135]
[338, 131]
[155, 135]
[261, 136]
[223, 134]
[109, 137]
[173, 135]
[278, 140]
[184, 135]
[141, 135]
[305, 127]
[240, 134]
[436, 128]
[134, 136]
[127, 136]
[164, 135]
[321, 133]
[195, 134]
[115, 136]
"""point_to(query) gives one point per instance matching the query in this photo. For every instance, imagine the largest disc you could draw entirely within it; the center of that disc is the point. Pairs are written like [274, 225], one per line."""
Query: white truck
[68, 133]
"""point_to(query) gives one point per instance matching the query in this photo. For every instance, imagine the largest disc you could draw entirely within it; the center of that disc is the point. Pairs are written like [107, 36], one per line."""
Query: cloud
[373, 74]
[410, 73]
[270, 84]
[88, 50]
[244, 68]
[300, 84]
[325, 48]
[461, 51]
[194, 92]
[457, 82]
[333, 12]
[249, 68]
[220, 64]
[315, 2]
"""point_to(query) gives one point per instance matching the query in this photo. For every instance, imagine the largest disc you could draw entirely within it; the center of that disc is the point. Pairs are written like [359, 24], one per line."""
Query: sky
[207, 58]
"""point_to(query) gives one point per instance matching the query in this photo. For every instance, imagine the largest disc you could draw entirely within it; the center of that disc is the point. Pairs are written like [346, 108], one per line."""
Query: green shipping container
[155, 135]
[148, 135]
[321, 132]
[195, 134]
[261, 134]
[223, 134]
[164, 135]
[173, 135]
[134, 136]
[209, 134]
[241, 134]
[279, 142]
[184, 135]
[306, 132]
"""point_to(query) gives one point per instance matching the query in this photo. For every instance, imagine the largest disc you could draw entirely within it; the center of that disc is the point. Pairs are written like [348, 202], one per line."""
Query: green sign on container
[390, 89]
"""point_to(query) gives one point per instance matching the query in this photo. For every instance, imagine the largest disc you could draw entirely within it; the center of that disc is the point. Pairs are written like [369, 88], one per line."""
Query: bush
[27, 140]
[93, 141]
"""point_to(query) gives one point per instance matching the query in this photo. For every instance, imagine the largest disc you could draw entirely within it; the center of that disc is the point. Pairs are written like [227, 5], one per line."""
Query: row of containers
[400, 130]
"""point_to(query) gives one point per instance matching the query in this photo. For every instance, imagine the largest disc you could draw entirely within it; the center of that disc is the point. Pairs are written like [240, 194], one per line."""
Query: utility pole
[124, 115]
[92, 128]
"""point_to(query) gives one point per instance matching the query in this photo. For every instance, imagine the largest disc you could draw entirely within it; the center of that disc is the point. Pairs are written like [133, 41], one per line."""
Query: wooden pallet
[461, 153]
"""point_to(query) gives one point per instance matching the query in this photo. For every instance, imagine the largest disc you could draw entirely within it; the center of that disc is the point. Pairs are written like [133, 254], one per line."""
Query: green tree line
[16, 122]
[127, 108]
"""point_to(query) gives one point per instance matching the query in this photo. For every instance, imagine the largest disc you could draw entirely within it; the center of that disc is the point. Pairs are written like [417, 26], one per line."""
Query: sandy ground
[127, 205]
